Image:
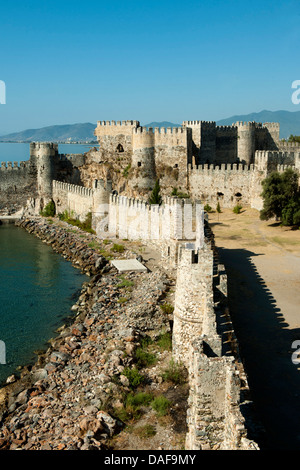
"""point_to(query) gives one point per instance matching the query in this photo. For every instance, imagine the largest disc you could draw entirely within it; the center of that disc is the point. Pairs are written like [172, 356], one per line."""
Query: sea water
[20, 152]
[37, 289]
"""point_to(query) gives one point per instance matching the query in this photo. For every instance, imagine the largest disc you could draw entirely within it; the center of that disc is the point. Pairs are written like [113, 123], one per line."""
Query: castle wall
[226, 144]
[227, 184]
[17, 185]
[76, 200]
[214, 417]
[193, 310]
[215, 421]
[115, 137]
[265, 137]
[195, 136]
[273, 129]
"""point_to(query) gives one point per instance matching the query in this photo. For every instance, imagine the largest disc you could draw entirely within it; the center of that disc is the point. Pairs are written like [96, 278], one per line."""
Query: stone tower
[44, 155]
[246, 142]
[100, 210]
[143, 159]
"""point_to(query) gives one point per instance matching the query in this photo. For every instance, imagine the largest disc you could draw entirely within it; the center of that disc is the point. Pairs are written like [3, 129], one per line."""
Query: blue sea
[13, 152]
[37, 289]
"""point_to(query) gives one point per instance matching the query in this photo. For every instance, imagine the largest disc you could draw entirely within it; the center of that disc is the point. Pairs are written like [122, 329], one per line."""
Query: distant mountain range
[289, 124]
[289, 121]
[161, 124]
[60, 133]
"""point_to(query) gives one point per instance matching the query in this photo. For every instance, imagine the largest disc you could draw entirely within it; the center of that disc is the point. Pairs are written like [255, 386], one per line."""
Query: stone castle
[205, 163]
[199, 160]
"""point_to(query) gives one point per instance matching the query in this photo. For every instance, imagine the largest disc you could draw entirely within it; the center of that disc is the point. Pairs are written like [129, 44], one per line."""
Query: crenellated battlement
[72, 188]
[191, 123]
[13, 165]
[245, 125]
[224, 167]
[282, 168]
[119, 123]
[289, 146]
[208, 124]
[43, 145]
[230, 129]
[159, 130]
[271, 125]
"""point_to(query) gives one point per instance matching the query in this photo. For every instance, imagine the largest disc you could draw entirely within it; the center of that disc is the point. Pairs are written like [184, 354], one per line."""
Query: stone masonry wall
[17, 185]
[214, 417]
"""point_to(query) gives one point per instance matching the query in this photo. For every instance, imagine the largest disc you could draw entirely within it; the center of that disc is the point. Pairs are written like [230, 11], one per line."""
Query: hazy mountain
[289, 124]
[289, 121]
[61, 133]
[161, 124]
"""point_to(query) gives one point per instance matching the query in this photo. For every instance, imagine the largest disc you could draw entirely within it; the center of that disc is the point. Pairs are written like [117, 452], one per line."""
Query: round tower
[143, 159]
[43, 155]
[100, 210]
[246, 142]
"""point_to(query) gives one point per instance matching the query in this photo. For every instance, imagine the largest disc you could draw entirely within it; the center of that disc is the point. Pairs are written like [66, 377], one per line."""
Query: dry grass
[246, 230]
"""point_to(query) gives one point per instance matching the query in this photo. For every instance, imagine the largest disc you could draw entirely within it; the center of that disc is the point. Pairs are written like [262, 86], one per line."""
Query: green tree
[281, 197]
[294, 138]
[155, 197]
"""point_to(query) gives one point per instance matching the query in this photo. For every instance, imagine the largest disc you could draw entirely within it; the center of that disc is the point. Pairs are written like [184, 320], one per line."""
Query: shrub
[167, 308]
[126, 170]
[86, 225]
[179, 194]
[117, 248]
[134, 377]
[125, 283]
[161, 405]
[237, 209]
[139, 399]
[148, 430]
[49, 209]
[218, 208]
[174, 373]
[165, 341]
[144, 358]
[207, 208]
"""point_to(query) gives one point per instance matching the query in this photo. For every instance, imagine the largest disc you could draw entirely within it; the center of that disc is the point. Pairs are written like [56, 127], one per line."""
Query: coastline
[73, 396]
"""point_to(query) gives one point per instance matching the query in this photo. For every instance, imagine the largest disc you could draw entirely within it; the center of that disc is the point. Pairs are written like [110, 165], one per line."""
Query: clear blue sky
[81, 61]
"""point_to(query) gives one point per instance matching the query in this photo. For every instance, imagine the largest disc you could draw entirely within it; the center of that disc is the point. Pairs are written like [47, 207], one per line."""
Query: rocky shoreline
[75, 396]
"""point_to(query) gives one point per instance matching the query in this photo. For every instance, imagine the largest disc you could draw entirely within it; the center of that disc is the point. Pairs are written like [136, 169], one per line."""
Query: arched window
[120, 148]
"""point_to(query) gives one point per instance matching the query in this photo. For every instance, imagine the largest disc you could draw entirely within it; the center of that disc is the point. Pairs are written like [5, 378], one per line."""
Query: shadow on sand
[266, 348]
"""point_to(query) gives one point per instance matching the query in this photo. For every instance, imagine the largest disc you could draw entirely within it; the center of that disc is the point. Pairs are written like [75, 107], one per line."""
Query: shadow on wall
[266, 349]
